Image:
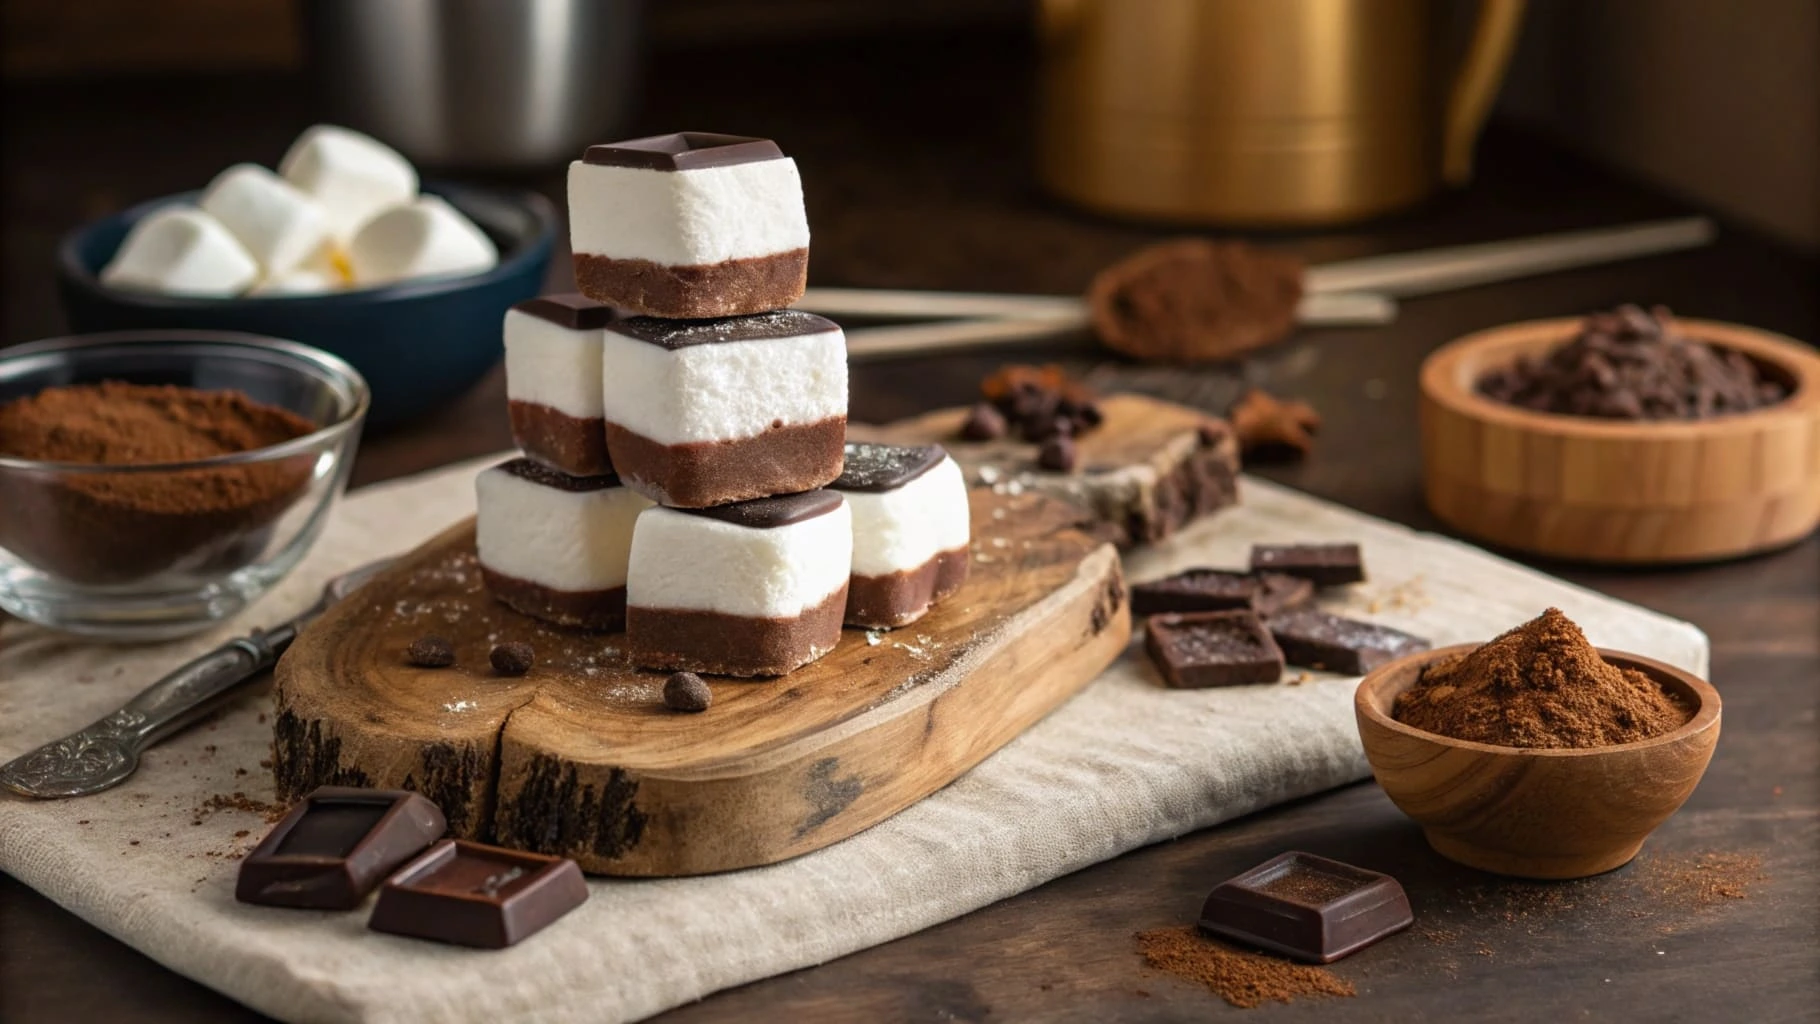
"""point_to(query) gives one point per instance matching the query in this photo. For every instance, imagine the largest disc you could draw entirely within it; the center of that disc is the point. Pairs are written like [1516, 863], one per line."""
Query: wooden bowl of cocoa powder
[1536, 812]
[1600, 486]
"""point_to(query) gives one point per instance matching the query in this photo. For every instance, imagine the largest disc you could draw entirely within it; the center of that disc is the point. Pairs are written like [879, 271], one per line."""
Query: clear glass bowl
[156, 551]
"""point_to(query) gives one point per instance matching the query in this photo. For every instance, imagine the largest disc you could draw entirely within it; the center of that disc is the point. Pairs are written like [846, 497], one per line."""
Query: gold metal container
[1261, 112]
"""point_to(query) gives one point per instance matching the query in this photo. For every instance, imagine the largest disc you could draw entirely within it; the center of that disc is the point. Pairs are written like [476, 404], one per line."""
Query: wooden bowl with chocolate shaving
[1630, 437]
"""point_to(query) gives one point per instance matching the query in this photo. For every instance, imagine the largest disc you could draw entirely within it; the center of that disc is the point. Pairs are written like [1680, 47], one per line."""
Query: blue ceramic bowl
[419, 344]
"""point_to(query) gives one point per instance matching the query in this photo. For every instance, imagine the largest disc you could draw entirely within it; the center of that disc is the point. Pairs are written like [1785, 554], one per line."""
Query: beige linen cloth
[1123, 764]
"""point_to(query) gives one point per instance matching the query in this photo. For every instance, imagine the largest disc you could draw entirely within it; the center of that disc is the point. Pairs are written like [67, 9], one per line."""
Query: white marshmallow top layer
[425, 237]
[277, 223]
[549, 364]
[897, 530]
[353, 176]
[687, 218]
[180, 250]
[564, 540]
[723, 391]
[692, 562]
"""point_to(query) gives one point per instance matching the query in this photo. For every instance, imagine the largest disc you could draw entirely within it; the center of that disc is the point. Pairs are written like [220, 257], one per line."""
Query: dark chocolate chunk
[1058, 454]
[1202, 649]
[1325, 565]
[513, 658]
[984, 423]
[1195, 590]
[573, 310]
[683, 151]
[769, 513]
[686, 691]
[1277, 593]
[542, 475]
[473, 895]
[337, 845]
[885, 467]
[675, 334]
[431, 652]
[1307, 908]
[1315, 639]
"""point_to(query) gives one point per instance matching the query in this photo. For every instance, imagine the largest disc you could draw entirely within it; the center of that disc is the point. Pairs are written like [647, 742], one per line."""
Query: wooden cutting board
[581, 758]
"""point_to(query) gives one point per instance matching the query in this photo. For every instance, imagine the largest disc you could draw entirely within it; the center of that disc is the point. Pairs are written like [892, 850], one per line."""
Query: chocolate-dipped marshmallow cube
[555, 546]
[752, 589]
[706, 412]
[910, 531]
[553, 379]
[689, 225]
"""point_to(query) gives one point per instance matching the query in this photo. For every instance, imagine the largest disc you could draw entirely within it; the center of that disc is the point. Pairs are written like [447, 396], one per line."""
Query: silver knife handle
[196, 688]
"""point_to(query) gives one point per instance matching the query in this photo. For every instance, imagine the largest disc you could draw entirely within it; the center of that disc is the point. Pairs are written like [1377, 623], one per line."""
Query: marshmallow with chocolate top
[756, 588]
[553, 381]
[555, 546]
[707, 412]
[910, 531]
[689, 225]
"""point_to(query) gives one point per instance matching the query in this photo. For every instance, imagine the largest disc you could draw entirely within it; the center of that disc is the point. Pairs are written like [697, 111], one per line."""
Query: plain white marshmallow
[423, 238]
[693, 562]
[277, 223]
[353, 176]
[687, 218]
[549, 364]
[557, 538]
[723, 391]
[180, 250]
[902, 529]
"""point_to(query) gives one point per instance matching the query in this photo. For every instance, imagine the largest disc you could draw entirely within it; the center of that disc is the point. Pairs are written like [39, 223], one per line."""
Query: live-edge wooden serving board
[581, 758]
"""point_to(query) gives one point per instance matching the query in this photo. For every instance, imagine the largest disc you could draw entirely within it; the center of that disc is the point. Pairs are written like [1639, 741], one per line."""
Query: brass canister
[1261, 112]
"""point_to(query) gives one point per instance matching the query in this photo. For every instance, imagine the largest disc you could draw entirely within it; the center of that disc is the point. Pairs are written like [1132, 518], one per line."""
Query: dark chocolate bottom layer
[677, 639]
[574, 445]
[741, 287]
[601, 610]
[900, 598]
[783, 460]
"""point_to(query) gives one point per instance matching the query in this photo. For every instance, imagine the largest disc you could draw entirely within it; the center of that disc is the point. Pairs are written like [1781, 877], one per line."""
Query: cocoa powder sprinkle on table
[1245, 980]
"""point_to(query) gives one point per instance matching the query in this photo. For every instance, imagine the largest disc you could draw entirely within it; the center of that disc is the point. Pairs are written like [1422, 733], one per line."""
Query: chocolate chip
[431, 652]
[984, 423]
[513, 659]
[1058, 453]
[685, 691]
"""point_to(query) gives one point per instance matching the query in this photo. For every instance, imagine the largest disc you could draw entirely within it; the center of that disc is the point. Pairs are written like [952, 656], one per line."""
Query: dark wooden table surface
[915, 162]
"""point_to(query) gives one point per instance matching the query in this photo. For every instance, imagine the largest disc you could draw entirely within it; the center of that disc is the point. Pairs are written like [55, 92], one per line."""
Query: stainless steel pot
[495, 84]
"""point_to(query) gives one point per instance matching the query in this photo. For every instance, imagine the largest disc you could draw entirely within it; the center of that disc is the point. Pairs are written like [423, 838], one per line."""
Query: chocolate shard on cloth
[469, 894]
[335, 846]
[1307, 907]
[1201, 649]
[1324, 565]
[1315, 639]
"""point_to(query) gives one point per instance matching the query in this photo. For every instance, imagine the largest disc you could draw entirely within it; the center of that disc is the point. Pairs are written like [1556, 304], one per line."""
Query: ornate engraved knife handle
[195, 689]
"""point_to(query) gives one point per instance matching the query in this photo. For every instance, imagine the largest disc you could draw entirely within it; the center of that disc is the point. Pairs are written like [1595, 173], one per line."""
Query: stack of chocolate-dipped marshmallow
[685, 475]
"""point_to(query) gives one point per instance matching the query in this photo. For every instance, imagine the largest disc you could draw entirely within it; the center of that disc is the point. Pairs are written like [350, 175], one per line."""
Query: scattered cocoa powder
[1195, 300]
[1539, 685]
[239, 801]
[117, 527]
[1243, 979]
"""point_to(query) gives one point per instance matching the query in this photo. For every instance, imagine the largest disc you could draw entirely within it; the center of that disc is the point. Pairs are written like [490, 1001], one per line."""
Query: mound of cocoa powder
[1244, 979]
[1539, 685]
[1195, 300]
[117, 527]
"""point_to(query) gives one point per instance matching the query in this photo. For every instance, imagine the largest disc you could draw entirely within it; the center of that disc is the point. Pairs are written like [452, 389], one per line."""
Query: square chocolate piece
[335, 847]
[1315, 639]
[1324, 565]
[683, 151]
[1195, 590]
[473, 895]
[1307, 907]
[1202, 649]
